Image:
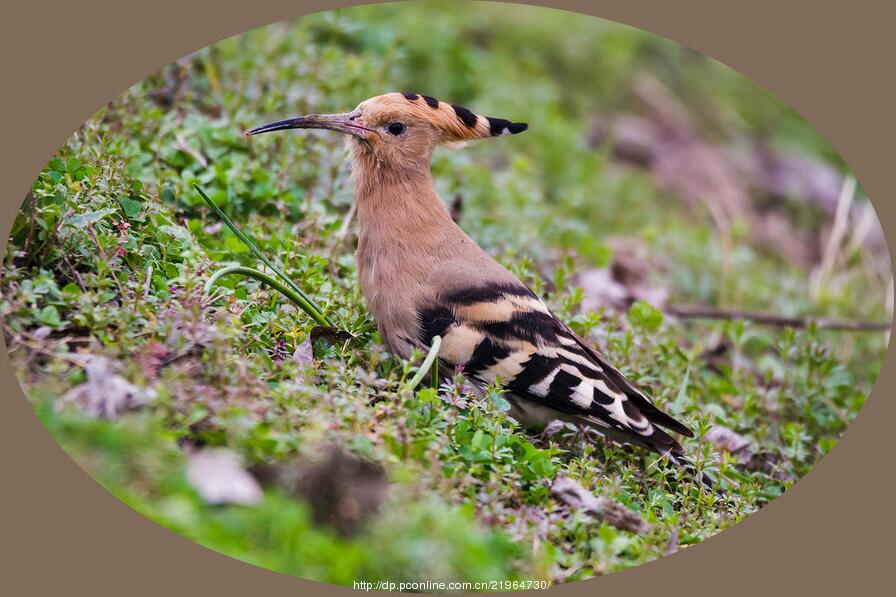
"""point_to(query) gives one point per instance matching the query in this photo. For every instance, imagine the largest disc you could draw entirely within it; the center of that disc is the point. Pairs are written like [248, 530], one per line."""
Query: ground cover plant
[227, 414]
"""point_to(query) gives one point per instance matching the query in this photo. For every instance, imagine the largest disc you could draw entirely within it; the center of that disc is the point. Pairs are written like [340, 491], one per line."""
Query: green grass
[113, 247]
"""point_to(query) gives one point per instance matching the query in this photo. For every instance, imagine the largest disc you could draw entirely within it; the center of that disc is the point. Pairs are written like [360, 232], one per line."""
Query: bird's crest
[456, 122]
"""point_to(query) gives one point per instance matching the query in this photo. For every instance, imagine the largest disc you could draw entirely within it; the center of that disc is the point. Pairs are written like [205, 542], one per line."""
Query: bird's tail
[664, 444]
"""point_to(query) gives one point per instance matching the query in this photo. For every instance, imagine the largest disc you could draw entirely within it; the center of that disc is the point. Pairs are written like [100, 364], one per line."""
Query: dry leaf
[105, 393]
[727, 440]
[333, 336]
[303, 354]
[601, 290]
[553, 428]
[219, 478]
[672, 543]
[624, 282]
[41, 333]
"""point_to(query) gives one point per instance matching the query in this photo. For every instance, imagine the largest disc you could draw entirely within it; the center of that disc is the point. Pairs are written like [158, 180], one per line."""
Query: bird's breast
[392, 279]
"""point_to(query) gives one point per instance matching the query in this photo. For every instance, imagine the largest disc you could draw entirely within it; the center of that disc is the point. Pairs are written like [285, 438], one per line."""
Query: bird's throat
[405, 234]
[400, 206]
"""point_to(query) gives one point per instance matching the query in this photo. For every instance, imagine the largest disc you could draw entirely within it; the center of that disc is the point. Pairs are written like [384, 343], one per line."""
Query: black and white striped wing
[507, 333]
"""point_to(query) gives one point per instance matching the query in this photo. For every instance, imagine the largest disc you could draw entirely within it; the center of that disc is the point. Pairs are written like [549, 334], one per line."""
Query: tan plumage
[423, 276]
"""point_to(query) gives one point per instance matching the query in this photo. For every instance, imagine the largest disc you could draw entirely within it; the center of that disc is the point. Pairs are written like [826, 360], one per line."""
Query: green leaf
[72, 166]
[499, 401]
[178, 232]
[427, 395]
[682, 397]
[91, 217]
[603, 255]
[49, 315]
[645, 316]
[130, 207]
[235, 245]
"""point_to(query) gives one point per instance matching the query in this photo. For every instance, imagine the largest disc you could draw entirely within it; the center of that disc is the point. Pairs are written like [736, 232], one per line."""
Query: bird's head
[401, 129]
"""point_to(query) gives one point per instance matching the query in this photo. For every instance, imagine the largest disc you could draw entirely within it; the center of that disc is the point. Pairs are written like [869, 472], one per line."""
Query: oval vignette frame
[846, 437]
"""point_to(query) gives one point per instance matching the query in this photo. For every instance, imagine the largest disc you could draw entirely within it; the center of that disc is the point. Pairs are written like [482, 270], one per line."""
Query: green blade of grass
[429, 363]
[308, 305]
[270, 281]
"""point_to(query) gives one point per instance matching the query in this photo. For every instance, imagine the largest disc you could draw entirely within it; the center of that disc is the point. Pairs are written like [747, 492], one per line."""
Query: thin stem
[434, 373]
[428, 363]
[319, 316]
[270, 281]
[777, 320]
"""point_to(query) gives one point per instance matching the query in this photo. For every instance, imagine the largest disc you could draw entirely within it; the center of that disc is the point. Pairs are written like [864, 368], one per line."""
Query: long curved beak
[343, 123]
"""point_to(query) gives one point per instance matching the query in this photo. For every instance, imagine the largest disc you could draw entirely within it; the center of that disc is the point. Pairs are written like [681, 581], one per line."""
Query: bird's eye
[396, 128]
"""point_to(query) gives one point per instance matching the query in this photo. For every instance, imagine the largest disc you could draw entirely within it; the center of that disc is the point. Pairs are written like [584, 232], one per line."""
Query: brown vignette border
[61, 532]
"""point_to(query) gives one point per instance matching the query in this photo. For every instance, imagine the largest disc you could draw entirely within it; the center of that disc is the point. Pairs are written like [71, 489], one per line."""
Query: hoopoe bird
[422, 276]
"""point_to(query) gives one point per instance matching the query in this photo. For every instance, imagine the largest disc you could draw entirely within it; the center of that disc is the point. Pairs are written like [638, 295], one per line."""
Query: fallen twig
[577, 498]
[776, 320]
[181, 144]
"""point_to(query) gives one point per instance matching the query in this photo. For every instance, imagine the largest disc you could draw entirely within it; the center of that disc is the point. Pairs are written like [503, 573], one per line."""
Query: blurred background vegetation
[651, 177]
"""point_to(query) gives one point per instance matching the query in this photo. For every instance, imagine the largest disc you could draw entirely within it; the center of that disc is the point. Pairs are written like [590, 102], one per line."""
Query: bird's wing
[507, 332]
